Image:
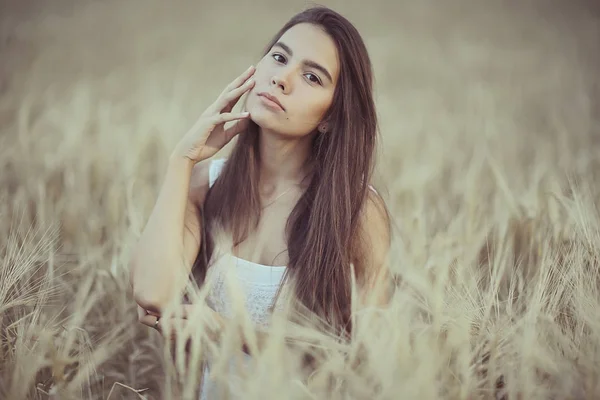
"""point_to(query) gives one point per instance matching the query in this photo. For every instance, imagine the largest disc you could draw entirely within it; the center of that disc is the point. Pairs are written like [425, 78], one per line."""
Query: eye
[315, 80]
[282, 58]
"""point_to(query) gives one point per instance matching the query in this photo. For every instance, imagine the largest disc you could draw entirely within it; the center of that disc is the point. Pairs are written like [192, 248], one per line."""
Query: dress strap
[215, 169]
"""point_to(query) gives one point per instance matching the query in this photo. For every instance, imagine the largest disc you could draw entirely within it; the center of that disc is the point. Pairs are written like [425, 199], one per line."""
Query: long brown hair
[323, 233]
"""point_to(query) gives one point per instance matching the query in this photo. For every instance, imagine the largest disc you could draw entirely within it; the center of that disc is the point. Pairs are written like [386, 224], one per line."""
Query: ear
[323, 127]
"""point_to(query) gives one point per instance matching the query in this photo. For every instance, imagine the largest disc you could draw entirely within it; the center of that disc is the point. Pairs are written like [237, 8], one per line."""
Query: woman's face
[300, 71]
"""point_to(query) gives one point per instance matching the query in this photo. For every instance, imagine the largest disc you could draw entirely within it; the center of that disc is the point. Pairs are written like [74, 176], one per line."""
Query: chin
[265, 118]
[262, 117]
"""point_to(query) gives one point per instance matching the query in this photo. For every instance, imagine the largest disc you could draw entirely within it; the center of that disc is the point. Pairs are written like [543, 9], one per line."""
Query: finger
[228, 117]
[237, 82]
[176, 326]
[229, 97]
[235, 129]
[218, 139]
[227, 102]
[141, 312]
[223, 104]
[150, 320]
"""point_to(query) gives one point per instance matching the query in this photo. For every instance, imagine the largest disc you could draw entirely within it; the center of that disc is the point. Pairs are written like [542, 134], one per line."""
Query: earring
[323, 128]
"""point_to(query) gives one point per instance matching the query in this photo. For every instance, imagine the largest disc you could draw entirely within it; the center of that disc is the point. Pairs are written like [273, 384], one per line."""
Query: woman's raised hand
[207, 136]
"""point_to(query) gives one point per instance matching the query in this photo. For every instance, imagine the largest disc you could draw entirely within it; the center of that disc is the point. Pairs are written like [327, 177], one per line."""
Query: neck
[282, 160]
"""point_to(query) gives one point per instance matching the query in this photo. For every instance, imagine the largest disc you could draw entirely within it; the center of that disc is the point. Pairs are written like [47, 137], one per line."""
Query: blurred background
[485, 108]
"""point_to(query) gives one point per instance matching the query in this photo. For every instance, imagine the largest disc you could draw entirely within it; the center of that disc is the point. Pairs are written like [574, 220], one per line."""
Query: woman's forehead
[311, 42]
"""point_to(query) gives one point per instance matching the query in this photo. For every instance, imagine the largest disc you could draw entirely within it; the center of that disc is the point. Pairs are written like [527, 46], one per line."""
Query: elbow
[146, 296]
[148, 301]
[150, 298]
[154, 288]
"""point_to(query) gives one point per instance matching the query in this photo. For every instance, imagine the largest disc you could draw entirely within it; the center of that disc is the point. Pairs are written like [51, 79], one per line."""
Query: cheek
[263, 73]
[314, 109]
[262, 79]
[306, 115]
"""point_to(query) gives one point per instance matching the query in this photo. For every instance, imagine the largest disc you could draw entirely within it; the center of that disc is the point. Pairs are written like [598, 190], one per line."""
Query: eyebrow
[308, 63]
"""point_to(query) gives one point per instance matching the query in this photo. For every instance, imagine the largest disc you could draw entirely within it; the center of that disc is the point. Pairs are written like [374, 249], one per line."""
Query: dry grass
[490, 123]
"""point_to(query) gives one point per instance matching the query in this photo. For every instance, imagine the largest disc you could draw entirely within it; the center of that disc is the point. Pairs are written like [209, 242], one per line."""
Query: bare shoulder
[375, 227]
[199, 181]
[375, 219]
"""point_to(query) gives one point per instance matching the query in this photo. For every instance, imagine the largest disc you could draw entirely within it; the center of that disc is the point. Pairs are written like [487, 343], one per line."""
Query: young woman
[294, 196]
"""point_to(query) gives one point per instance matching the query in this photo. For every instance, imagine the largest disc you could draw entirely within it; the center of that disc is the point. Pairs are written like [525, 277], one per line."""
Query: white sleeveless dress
[259, 284]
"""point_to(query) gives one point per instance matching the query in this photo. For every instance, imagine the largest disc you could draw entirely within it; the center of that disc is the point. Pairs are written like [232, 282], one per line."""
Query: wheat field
[489, 161]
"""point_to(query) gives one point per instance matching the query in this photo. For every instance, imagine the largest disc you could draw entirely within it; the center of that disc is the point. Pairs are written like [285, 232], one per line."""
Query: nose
[281, 81]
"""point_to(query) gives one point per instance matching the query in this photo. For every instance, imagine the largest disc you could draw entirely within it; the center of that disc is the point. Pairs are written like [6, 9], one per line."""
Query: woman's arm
[376, 233]
[214, 324]
[163, 258]
[373, 288]
[164, 255]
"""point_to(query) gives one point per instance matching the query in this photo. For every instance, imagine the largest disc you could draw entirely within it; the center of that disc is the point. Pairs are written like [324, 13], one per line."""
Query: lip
[272, 99]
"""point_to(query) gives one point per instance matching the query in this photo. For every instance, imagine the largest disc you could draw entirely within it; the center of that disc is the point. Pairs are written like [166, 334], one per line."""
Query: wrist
[179, 161]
